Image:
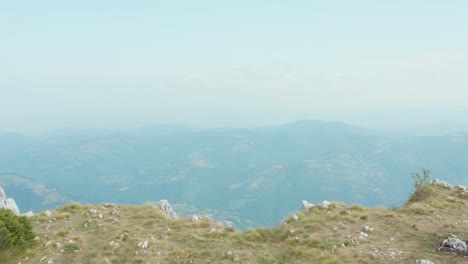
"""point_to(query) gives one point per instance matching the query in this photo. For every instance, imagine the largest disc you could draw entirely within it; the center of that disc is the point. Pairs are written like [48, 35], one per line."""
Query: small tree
[422, 188]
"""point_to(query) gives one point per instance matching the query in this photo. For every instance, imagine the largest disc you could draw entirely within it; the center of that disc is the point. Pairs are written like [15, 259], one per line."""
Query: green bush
[14, 230]
[422, 186]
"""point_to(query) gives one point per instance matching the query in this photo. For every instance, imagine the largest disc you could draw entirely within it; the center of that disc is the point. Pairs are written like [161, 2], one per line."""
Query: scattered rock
[8, 203]
[48, 213]
[196, 218]
[143, 244]
[460, 188]
[363, 235]
[424, 261]
[442, 183]
[167, 209]
[306, 205]
[368, 229]
[114, 245]
[295, 217]
[454, 244]
[326, 204]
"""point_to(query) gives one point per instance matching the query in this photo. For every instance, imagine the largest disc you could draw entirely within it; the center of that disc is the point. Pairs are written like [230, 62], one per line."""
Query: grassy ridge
[112, 233]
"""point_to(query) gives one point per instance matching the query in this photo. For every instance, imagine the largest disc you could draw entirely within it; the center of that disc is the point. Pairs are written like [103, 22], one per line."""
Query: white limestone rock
[326, 204]
[167, 209]
[196, 218]
[363, 235]
[28, 214]
[295, 218]
[143, 244]
[8, 203]
[424, 261]
[11, 205]
[306, 205]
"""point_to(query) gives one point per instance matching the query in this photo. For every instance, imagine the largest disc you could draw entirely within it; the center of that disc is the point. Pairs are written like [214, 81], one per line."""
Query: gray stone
[166, 208]
[454, 244]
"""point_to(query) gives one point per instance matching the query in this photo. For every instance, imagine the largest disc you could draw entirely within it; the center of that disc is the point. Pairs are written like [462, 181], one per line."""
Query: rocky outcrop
[454, 244]
[166, 208]
[306, 205]
[8, 203]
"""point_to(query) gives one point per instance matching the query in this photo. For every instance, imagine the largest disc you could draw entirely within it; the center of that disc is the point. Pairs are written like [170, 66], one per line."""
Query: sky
[117, 64]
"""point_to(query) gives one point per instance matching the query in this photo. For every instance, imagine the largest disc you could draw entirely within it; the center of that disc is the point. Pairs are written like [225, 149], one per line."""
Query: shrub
[422, 188]
[14, 230]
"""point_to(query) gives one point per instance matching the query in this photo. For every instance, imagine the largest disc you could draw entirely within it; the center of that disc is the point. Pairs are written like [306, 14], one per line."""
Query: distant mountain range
[258, 175]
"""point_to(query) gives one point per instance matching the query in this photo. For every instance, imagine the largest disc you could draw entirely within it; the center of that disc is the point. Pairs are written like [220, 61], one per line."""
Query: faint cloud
[290, 77]
[334, 76]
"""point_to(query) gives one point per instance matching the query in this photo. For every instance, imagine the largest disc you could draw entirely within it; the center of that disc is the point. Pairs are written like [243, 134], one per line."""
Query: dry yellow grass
[111, 233]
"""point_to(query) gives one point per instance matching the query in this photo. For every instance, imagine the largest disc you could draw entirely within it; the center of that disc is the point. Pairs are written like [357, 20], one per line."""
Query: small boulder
[295, 217]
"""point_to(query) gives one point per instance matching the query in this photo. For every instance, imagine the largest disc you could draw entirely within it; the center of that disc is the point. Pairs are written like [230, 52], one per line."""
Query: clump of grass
[62, 233]
[72, 247]
[357, 208]
[70, 207]
[263, 235]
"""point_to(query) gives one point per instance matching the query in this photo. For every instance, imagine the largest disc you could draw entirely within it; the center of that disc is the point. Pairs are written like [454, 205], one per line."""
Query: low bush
[14, 230]
[422, 187]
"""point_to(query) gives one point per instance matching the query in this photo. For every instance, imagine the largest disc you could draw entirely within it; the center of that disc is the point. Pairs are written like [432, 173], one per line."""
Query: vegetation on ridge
[341, 233]
[16, 233]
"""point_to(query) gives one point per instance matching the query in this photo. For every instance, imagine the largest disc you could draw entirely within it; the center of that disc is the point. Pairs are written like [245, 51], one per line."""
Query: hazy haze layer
[119, 64]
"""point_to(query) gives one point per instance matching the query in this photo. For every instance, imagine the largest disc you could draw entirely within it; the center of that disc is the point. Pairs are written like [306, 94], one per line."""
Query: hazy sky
[118, 63]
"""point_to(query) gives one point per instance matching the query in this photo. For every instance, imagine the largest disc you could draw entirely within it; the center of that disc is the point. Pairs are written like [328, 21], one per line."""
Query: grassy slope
[401, 235]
